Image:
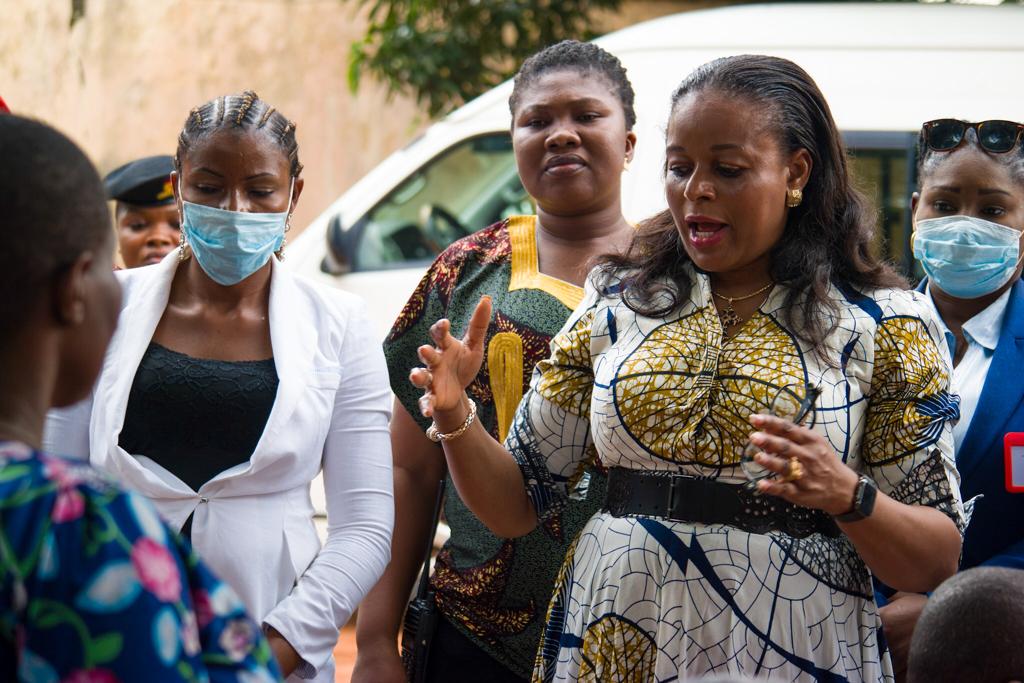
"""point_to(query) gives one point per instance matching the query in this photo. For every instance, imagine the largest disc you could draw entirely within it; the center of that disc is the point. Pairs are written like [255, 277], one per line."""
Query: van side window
[882, 166]
[465, 188]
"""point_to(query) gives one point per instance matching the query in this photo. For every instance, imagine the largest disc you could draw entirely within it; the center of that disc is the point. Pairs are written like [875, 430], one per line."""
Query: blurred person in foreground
[971, 629]
[93, 585]
[145, 213]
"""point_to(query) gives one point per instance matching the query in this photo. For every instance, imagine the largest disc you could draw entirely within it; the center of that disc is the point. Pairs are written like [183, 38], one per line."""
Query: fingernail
[757, 438]
[755, 419]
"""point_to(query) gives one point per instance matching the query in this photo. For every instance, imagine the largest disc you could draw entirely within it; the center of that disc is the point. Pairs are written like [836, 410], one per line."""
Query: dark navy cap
[145, 182]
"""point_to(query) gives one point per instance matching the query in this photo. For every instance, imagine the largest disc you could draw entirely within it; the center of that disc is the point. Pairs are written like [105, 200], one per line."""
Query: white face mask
[965, 256]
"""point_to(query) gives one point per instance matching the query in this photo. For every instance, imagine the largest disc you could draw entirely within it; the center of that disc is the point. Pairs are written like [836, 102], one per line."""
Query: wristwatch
[863, 500]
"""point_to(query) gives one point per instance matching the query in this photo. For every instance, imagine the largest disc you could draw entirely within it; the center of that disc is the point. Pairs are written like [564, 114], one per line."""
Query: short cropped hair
[972, 629]
[582, 57]
[52, 209]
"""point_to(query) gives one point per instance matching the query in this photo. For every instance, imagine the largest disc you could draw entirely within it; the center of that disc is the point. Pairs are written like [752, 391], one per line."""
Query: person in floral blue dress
[94, 587]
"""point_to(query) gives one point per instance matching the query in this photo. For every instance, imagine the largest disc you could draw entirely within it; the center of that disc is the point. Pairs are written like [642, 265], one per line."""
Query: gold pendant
[728, 317]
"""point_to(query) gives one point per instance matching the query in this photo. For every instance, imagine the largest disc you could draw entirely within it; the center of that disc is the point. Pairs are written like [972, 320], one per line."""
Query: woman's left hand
[808, 473]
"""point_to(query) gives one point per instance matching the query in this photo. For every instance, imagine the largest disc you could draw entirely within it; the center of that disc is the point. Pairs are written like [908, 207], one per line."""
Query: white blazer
[253, 523]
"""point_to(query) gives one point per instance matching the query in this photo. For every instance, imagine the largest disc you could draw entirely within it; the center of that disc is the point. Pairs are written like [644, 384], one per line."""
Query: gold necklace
[728, 316]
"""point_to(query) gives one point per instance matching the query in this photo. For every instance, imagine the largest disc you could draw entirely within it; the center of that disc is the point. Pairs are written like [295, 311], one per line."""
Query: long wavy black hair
[827, 238]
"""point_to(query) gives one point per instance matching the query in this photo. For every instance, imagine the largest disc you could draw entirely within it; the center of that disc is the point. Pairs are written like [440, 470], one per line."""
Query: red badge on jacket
[1013, 444]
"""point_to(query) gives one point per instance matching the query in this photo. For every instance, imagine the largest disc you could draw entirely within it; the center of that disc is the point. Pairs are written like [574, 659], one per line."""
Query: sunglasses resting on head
[996, 136]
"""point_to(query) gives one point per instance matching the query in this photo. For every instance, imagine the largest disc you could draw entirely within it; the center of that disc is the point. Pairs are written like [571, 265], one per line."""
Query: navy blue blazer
[995, 535]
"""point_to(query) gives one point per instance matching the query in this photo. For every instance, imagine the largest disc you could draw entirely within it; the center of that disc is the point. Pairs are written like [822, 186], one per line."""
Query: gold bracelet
[438, 437]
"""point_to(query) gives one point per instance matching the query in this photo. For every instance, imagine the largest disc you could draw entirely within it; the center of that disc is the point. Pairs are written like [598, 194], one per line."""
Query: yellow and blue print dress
[646, 599]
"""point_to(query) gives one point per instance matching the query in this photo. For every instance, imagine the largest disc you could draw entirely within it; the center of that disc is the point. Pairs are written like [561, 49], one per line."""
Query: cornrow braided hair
[247, 99]
[221, 108]
[239, 111]
[266, 115]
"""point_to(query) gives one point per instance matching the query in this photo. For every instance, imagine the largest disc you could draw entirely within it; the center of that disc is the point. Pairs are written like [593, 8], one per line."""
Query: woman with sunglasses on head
[572, 121]
[231, 383]
[93, 585]
[755, 291]
[968, 216]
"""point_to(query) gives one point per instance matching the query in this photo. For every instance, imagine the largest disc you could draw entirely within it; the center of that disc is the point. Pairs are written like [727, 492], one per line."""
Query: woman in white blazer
[229, 384]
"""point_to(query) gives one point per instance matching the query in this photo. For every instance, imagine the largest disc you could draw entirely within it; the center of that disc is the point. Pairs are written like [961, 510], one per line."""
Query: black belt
[680, 498]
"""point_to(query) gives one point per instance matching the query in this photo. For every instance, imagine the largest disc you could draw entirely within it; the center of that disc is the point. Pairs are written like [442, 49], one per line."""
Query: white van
[884, 68]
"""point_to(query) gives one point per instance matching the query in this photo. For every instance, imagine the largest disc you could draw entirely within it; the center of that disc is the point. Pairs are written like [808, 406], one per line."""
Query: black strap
[424, 585]
[683, 498]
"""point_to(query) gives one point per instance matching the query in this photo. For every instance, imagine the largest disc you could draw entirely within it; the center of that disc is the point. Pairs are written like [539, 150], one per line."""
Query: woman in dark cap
[93, 586]
[147, 217]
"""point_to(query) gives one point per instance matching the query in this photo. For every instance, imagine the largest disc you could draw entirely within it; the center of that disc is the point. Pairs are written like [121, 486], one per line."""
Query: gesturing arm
[486, 475]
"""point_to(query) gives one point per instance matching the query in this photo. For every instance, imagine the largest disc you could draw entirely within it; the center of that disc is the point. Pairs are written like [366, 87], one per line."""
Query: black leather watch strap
[863, 500]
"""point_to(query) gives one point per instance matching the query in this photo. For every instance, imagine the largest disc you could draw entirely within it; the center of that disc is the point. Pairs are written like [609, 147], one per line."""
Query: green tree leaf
[446, 53]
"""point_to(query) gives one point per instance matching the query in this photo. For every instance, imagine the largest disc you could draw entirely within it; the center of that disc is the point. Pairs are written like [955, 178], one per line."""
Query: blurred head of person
[971, 629]
[572, 128]
[236, 183]
[758, 191]
[146, 215]
[59, 299]
[968, 214]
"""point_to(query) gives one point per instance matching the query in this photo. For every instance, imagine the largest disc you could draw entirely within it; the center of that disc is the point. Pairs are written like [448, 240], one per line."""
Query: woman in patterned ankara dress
[572, 117]
[757, 283]
[94, 587]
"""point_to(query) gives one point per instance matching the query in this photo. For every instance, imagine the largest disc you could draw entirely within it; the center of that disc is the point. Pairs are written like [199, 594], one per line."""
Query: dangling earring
[287, 226]
[794, 197]
[183, 253]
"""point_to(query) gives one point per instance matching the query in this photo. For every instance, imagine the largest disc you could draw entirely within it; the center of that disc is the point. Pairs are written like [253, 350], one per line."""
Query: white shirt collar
[984, 328]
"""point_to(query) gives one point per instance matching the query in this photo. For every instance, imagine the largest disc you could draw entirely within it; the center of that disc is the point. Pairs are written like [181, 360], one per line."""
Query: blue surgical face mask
[232, 245]
[966, 257]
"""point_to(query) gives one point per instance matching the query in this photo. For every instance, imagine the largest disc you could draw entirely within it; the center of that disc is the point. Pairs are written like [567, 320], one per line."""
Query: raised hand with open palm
[450, 366]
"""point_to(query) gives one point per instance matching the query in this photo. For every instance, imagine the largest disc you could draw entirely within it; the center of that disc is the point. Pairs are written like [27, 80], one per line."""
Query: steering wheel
[442, 227]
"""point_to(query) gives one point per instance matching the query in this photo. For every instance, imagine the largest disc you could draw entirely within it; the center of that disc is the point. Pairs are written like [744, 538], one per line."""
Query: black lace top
[197, 417]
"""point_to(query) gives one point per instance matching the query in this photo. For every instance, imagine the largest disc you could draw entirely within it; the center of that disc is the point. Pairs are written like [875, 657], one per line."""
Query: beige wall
[122, 79]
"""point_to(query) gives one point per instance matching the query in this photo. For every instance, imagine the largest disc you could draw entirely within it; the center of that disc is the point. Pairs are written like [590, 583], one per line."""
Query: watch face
[867, 491]
[863, 500]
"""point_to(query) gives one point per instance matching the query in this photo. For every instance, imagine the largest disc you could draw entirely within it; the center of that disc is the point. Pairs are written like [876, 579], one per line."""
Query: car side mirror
[339, 258]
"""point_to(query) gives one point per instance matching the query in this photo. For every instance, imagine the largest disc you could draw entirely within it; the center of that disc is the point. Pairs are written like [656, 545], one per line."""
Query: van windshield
[464, 189]
[475, 183]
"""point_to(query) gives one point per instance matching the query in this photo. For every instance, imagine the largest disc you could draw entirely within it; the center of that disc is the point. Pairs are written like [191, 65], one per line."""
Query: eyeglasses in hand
[793, 402]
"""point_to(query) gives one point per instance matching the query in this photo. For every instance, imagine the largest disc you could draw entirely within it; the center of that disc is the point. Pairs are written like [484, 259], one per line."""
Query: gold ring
[794, 470]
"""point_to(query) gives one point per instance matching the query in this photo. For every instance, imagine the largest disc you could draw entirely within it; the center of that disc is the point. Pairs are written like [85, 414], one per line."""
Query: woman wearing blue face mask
[230, 383]
[968, 223]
